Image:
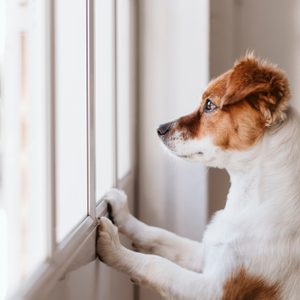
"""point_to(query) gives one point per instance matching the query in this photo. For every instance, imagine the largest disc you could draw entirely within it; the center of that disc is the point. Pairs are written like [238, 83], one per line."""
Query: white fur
[259, 228]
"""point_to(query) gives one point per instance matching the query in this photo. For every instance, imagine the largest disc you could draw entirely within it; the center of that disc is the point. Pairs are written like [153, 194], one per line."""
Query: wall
[173, 73]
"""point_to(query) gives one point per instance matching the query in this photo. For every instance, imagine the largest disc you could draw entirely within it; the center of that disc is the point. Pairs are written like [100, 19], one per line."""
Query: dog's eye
[209, 106]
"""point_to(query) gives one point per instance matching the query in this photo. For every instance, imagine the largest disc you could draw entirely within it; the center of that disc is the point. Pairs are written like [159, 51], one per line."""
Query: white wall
[173, 72]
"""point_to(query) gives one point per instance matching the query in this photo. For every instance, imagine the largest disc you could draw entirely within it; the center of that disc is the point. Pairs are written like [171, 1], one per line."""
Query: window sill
[76, 250]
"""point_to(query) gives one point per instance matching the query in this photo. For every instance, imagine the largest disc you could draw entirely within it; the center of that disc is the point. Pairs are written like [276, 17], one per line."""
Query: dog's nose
[164, 128]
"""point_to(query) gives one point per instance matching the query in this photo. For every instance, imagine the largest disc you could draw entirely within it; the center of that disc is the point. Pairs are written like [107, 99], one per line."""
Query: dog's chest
[227, 240]
[225, 229]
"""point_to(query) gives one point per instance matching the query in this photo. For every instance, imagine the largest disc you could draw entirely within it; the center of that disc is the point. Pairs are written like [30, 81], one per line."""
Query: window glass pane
[23, 137]
[71, 123]
[125, 81]
[104, 55]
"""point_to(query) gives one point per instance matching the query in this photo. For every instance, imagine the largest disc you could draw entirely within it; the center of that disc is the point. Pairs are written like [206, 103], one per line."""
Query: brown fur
[252, 96]
[189, 125]
[261, 83]
[243, 286]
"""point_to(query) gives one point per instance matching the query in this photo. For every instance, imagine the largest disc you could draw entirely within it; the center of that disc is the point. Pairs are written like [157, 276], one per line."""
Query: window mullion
[115, 94]
[91, 109]
[51, 140]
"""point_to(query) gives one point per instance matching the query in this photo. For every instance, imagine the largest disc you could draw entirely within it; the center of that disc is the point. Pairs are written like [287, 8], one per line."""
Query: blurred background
[83, 86]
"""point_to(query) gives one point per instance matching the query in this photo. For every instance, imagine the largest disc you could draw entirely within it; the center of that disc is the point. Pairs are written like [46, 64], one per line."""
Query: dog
[251, 248]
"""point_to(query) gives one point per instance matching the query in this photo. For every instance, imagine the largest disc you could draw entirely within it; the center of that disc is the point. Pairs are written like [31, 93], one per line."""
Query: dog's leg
[160, 274]
[185, 252]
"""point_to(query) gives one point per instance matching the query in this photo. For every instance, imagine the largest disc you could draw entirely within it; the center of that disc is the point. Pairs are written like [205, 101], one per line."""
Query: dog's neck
[269, 172]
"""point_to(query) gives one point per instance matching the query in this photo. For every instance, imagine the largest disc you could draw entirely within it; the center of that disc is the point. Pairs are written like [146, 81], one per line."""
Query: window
[66, 132]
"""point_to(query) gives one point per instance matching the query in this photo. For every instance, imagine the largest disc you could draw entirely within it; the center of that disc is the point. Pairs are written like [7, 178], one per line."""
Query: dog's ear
[263, 85]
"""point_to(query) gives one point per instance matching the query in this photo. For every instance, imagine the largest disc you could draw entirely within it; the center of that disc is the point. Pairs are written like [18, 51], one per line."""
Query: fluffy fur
[250, 250]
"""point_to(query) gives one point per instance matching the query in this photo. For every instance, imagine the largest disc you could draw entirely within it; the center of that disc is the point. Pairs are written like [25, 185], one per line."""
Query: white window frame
[78, 248]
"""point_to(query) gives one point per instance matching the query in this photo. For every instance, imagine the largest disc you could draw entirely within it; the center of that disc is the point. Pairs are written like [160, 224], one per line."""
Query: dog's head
[235, 111]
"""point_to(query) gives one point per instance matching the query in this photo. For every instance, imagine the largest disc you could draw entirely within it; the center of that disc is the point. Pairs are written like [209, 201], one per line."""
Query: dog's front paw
[117, 206]
[109, 248]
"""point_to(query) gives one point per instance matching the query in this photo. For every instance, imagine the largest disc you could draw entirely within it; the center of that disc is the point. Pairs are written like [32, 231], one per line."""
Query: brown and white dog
[251, 249]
